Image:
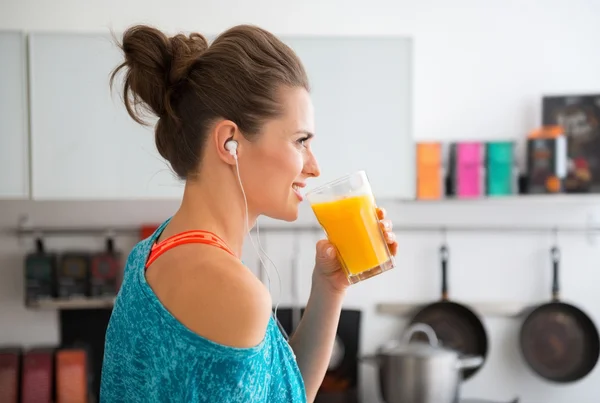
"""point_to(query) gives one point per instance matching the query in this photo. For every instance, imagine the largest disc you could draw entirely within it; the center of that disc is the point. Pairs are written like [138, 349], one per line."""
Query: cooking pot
[420, 372]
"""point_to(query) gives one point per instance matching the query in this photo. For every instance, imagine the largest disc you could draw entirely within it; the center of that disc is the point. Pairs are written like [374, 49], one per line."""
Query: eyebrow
[309, 135]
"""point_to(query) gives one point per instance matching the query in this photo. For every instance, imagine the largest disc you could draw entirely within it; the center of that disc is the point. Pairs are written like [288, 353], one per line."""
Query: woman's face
[274, 167]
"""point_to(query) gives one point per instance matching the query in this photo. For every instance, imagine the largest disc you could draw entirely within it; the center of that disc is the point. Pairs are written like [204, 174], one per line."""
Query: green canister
[501, 178]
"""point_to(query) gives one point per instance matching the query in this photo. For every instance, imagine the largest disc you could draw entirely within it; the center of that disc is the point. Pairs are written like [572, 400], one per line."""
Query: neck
[216, 206]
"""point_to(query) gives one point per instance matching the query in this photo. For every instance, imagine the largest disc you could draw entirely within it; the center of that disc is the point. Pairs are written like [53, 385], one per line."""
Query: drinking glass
[346, 210]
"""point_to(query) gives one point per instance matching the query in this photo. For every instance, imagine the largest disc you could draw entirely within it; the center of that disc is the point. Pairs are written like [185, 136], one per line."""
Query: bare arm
[313, 341]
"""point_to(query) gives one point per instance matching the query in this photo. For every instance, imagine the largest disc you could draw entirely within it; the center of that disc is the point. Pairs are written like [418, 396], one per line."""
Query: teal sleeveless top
[150, 356]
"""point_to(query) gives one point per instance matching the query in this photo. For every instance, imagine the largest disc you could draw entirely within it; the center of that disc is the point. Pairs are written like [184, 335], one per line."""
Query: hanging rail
[484, 228]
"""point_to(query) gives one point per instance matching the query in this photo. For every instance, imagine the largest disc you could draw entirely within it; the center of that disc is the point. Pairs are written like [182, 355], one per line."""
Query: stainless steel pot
[417, 372]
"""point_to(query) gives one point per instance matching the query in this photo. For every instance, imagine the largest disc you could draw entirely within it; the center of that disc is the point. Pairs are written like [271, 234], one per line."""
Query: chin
[289, 215]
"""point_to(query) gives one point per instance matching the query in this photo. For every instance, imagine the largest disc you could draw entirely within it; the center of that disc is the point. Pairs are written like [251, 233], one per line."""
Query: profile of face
[276, 164]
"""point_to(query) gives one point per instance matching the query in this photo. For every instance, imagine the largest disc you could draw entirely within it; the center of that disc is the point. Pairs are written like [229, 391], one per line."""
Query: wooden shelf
[75, 303]
[488, 309]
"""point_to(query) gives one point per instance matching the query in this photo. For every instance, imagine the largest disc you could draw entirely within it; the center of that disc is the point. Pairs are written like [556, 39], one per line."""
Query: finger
[393, 247]
[381, 213]
[390, 237]
[386, 225]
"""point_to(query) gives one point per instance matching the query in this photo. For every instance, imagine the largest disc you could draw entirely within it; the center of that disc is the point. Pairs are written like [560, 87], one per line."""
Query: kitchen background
[478, 71]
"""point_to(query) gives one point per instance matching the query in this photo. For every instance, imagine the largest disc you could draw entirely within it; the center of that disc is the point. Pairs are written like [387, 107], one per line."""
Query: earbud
[231, 146]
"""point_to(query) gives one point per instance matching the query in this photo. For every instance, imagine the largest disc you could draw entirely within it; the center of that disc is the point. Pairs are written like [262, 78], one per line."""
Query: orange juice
[352, 225]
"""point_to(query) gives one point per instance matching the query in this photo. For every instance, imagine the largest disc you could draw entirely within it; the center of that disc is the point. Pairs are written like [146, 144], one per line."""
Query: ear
[225, 130]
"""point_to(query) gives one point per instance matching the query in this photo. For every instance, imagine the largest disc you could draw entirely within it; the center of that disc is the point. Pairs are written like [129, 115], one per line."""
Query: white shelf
[75, 303]
[487, 309]
[562, 198]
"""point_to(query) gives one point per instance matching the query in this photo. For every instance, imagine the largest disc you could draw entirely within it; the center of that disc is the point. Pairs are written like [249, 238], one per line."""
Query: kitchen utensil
[73, 275]
[455, 325]
[105, 271]
[559, 341]
[420, 372]
[40, 267]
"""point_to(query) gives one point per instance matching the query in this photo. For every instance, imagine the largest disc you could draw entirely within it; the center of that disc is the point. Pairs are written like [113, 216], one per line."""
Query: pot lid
[417, 348]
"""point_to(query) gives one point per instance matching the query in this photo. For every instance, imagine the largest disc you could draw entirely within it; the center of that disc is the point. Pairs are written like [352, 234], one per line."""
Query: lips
[296, 188]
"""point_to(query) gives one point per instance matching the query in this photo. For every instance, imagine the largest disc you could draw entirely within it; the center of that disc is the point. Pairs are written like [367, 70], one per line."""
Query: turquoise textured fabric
[152, 357]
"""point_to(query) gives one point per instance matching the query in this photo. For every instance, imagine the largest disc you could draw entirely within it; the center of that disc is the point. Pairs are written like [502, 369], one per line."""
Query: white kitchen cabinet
[84, 144]
[362, 93]
[14, 144]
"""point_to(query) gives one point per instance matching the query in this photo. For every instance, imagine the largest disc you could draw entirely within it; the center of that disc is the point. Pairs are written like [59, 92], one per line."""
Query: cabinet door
[84, 144]
[362, 93]
[14, 144]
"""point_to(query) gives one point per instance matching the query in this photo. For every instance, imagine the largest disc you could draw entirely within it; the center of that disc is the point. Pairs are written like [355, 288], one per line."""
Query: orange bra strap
[194, 236]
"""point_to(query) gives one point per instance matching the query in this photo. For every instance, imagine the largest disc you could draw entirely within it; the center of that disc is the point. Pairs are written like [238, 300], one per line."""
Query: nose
[311, 167]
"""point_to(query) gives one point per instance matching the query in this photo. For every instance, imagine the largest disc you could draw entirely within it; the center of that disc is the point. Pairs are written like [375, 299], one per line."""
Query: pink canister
[469, 170]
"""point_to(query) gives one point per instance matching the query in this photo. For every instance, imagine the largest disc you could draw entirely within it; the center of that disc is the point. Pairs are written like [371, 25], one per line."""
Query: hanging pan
[455, 325]
[559, 341]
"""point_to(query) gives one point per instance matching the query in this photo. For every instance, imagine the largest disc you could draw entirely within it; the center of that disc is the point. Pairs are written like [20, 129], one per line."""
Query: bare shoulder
[216, 297]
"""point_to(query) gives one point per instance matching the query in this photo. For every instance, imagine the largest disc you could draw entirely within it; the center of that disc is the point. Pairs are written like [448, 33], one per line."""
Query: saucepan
[420, 372]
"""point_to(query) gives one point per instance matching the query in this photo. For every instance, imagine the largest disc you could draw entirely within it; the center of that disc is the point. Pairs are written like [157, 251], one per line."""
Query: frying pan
[559, 341]
[455, 325]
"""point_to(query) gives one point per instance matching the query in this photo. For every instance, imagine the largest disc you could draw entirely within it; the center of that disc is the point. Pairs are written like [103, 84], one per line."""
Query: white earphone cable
[237, 168]
[277, 271]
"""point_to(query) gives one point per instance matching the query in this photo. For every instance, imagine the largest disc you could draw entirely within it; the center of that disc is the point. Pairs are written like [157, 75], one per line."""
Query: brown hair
[188, 85]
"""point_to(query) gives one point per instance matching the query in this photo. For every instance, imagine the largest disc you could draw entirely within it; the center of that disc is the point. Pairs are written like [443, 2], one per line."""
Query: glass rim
[335, 182]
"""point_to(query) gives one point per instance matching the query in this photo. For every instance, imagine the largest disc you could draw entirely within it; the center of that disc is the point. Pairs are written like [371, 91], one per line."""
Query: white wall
[479, 71]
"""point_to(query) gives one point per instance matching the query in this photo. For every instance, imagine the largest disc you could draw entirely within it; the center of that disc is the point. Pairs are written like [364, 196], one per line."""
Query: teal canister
[501, 178]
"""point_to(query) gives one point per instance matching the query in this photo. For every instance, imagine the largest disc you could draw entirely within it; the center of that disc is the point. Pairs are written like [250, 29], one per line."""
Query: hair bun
[155, 64]
[185, 51]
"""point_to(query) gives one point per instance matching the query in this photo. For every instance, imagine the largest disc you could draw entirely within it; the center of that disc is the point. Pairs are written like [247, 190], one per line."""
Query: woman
[191, 322]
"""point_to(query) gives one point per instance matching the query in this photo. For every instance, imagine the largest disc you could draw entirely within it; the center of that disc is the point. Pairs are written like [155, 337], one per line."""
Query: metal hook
[444, 236]
[23, 224]
[110, 240]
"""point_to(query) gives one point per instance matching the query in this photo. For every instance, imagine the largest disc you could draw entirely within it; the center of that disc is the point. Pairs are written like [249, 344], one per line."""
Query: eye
[302, 140]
